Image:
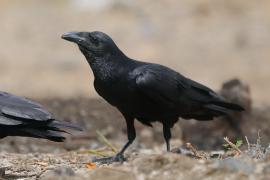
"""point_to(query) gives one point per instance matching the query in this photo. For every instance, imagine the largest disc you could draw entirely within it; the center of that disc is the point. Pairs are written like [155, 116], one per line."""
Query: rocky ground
[253, 163]
[145, 165]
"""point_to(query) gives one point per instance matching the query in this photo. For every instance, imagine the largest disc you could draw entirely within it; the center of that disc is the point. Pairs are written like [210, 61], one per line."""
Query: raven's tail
[51, 135]
[214, 109]
[52, 130]
[228, 106]
[219, 108]
[63, 124]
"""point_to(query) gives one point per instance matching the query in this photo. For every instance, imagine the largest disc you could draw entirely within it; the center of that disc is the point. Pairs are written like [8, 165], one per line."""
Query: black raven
[21, 117]
[145, 91]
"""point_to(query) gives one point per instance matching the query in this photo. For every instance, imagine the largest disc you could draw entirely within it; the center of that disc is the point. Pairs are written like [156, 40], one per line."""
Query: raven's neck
[106, 67]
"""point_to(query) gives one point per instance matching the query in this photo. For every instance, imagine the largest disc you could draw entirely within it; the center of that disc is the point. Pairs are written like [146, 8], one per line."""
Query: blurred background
[208, 41]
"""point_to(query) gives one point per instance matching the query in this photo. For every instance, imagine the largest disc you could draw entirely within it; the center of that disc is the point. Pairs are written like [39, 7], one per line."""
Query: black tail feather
[217, 108]
[66, 125]
[52, 130]
[229, 106]
[36, 133]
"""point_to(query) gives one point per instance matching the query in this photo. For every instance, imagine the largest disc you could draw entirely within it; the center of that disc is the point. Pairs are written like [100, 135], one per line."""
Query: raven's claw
[109, 160]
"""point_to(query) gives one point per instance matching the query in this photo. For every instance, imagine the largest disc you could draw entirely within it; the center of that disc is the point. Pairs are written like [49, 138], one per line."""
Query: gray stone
[243, 164]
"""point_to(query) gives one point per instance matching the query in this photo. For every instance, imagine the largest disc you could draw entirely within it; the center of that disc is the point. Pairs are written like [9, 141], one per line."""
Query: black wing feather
[21, 117]
[163, 89]
[19, 107]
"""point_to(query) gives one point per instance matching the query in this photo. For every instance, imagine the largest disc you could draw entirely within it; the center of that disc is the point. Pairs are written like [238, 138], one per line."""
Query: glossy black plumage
[145, 91]
[21, 117]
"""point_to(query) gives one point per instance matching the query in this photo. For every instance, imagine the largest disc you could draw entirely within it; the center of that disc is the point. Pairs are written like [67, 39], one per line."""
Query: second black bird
[22, 117]
[145, 91]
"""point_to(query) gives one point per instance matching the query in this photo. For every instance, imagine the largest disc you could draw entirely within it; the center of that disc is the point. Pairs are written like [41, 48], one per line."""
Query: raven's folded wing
[159, 85]
[19, 107]
[9, 122]
[172, 90]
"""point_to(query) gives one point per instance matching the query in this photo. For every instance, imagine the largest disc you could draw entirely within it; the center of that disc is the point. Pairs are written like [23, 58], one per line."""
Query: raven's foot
[109, 160]
[2, 172]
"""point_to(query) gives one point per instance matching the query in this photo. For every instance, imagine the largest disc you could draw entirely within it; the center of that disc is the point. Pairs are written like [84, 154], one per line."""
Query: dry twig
[195, 152]
[232, 145]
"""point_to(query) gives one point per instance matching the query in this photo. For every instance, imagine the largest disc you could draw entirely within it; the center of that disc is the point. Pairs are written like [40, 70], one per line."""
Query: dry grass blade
[232, 144]
[105, 141]
[247, 143]
[259, 138]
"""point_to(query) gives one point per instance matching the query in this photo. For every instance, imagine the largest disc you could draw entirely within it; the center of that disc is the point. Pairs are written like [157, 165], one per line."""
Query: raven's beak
[73, 37]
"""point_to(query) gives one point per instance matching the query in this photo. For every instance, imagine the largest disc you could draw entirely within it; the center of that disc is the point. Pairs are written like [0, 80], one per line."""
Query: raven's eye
[94, 39]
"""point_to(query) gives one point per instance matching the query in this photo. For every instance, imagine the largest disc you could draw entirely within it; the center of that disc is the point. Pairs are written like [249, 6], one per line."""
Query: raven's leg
[119, 157]
[131, 132]
[167, 135]
[2, 172]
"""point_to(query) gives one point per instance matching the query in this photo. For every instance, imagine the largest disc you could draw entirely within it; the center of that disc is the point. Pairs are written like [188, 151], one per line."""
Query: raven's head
[93, 44]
